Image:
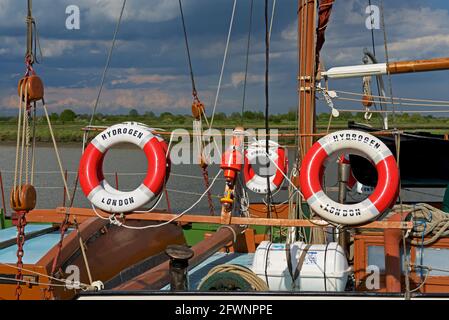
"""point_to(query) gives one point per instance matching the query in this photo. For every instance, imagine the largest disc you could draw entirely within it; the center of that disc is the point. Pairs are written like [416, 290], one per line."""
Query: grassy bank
[70, 129]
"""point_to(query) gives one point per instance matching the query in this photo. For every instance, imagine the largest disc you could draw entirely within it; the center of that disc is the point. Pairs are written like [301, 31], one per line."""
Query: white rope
[40, 274]
[390, 111]
[271, 21]
[23, 136]
[445, 102]
[125, 174]
[18, 138]
[61, 169]
[114, 221]
[223, 64]
[399, 103]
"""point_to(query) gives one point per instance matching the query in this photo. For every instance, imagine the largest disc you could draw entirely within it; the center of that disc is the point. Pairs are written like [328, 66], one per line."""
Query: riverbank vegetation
[68, 125]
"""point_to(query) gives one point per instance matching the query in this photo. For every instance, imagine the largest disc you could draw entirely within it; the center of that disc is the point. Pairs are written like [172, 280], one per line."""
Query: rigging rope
[248, 43]
[267, 125]
[192, 79]
[223, 64]
[428, 221]
[112, 218]
[390, 83]
[71, 199]
[248, 275]
[445, 102]
[106, 67]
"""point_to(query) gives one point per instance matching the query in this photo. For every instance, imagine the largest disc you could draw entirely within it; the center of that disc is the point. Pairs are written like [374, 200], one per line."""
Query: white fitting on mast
[356, 71]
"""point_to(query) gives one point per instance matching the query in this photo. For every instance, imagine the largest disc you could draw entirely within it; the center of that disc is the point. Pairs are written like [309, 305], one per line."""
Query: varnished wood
[163, 216]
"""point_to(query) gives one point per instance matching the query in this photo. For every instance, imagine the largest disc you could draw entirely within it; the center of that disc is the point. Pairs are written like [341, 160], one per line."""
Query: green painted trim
[195, 232]
[2, 220]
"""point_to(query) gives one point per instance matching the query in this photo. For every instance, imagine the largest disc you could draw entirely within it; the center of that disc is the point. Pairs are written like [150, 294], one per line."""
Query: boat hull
[109, 250]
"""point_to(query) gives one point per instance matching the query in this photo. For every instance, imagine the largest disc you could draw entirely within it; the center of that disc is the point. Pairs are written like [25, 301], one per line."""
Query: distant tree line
[69, 116]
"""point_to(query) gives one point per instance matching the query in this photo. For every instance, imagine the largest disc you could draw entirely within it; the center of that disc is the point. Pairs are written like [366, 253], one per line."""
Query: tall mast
[29, 21]
[306, 75]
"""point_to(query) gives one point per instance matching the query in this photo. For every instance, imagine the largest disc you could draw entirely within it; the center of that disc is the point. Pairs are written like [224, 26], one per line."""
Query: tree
[150, 115]
[67, 115]
[54, 116]
[133, 113]
[220, 116]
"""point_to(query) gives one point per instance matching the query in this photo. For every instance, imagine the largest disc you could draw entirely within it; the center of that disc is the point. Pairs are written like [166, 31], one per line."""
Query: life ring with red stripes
[354, 142]
[91, 161]
[164, 146]
[277, 169]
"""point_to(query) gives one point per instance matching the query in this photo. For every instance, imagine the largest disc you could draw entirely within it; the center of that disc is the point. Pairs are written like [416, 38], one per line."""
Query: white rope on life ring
[118, 202]
[353, 142]
[278, 160]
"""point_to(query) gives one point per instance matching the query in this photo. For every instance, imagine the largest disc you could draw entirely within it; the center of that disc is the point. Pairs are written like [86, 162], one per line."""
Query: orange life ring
[356, 142]
[90, 171]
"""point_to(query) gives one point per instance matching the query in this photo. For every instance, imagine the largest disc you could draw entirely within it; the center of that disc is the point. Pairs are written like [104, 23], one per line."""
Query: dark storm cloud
[149, 61]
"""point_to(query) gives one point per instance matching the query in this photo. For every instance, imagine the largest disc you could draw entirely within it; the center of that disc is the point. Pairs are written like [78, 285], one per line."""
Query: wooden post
[307, 24]
[392, 238]
[3, 195]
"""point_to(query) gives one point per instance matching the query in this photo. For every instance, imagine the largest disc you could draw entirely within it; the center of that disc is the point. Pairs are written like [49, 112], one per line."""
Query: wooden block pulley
[23, 198]
[34, 87]
[197, 109]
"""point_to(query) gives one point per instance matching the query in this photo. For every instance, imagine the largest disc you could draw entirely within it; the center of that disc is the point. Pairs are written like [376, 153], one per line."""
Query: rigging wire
[399, 103]
[445, 102]
[247, 59]
[267, 125]
[223, 64]
[108, 61]
[373, 44]
[192, 78]
[387, 60]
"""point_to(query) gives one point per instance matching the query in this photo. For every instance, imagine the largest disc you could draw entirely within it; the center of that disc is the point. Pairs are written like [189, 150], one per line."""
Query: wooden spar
[397, 67]
[306, 73]
[158, 277]
[418, 65]
[42, 215]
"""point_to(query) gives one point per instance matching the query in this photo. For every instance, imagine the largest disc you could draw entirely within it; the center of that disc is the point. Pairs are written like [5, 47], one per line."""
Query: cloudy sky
[149, 69]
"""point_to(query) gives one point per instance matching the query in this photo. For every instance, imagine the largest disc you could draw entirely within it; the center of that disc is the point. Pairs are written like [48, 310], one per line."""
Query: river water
[184, 186]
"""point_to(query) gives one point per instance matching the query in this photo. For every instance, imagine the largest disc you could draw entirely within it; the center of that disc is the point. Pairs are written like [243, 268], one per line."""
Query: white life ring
[353, 142]
[277, 155]
[90, 164]
[107, 186]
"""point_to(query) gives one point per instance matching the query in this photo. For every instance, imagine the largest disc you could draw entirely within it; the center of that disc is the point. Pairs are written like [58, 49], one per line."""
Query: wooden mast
[29, 21]
[306, 75]
[307, 24]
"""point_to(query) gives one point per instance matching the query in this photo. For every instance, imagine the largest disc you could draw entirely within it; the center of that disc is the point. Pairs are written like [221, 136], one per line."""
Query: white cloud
[58, 98]
[238, 78]
[144, 79]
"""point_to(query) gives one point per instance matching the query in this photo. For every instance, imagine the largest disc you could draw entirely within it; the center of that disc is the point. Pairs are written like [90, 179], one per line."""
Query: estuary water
[184, 187]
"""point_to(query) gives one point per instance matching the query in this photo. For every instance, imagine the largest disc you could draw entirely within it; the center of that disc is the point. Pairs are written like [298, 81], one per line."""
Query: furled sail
[324, 13]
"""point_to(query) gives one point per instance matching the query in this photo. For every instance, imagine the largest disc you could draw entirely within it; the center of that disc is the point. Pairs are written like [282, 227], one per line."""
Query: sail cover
[324, 13]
